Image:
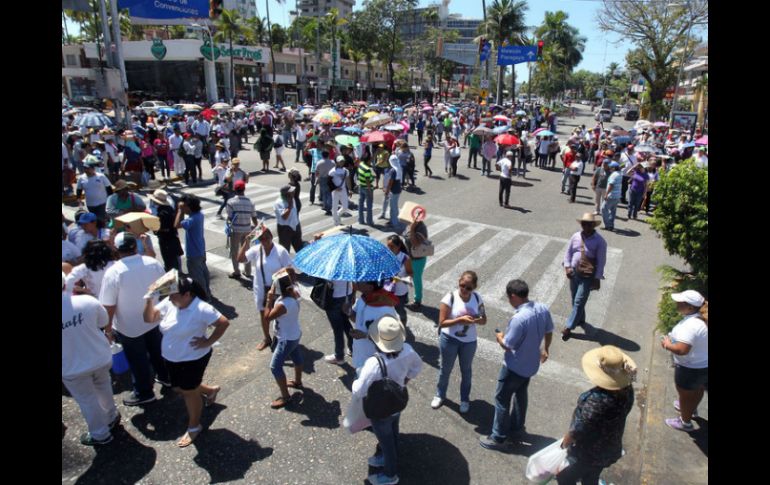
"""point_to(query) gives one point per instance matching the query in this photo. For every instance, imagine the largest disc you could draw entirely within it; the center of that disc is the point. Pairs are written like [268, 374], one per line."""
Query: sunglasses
[467, 287]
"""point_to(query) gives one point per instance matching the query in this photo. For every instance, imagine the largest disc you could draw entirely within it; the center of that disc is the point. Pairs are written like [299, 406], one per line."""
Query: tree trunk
[391, 74]
[513, 83]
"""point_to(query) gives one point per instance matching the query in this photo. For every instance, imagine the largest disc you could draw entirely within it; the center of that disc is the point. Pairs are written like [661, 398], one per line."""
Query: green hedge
[674, 282]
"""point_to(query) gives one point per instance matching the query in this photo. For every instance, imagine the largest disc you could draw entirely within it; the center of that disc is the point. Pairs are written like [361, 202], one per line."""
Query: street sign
[485, 84]
[484, 93]
[516, 54]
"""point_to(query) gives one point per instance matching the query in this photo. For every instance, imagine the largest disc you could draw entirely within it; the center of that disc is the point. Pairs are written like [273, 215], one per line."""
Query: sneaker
[376, 461]
[490, 443]
[163, 383]
[88, 440]
[134, 400]
[115, 422]
[676, 406]
[464, 407]
[332, 359]
[677, 423]
[382, 479]
[436, 402]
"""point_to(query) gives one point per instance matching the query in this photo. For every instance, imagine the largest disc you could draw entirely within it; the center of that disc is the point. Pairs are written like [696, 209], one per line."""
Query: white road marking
[548, 286]
[493, 288]
[445, 248]
[596, 308]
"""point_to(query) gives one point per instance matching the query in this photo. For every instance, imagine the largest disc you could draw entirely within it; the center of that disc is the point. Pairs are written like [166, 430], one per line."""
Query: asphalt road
[248, 442]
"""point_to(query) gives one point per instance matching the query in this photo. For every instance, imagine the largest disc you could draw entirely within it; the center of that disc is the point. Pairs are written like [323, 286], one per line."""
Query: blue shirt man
[195, 244]
[530, 325]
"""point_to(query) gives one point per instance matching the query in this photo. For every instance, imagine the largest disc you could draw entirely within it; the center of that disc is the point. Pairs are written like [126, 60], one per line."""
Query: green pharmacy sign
[158, 49]
[242, 52]
[209, 52]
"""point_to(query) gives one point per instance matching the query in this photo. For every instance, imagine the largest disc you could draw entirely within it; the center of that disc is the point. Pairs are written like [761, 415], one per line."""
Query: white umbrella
[261, 107]
[221, 106]
[393, 127]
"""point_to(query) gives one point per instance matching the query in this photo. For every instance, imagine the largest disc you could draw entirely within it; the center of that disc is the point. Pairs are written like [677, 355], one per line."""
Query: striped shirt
[365, 175]
[241, 210]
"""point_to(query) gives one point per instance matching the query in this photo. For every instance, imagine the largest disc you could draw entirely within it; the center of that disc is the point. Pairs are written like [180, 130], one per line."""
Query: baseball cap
[691, 297]
[86, 218]
[125, 241]
[239, 185]
[91, 161]
[340, 158]
[614, 165]
[508, 153]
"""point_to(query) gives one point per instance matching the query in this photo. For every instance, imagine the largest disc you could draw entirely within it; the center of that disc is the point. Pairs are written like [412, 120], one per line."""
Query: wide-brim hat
[235, 161]
[160, 197]
[123, 185]
[589, 217]
[609, 368]
[388, 334]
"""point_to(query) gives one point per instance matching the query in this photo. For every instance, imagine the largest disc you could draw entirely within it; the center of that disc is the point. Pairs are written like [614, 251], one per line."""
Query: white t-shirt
[111, 153]
[459, 308]
[702, 162]
[84, 348]
[576, 168]
[301, 134]
[92, 279]
[341, 288]
[692, 331]
[221, 155]
[408, 364]
[400, 289]
[339, 175]
[293, 219]
[174, 141]
[287, 325]
[64, 154]
[277, 259]
[95, 188]
[505, 166]
[179, 326]
[124, 284]
[544, 145]
[364, 348]
[69, 252]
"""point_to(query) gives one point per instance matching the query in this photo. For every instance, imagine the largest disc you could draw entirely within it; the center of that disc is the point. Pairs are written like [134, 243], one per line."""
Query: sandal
[279, 403]
[210, 399]
[294, 385]
[189, 437]
[264, 344]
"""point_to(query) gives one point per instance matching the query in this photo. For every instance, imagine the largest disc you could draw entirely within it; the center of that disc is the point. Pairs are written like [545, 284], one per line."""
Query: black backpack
[322, 293]
[385, 397]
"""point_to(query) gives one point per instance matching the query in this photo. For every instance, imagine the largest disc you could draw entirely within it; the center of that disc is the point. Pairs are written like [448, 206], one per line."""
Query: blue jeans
[450, 349]
[580, 288]
[365, 197]
[340, 326]
[285, 348]
[386, 431]
[198, 271]
[508, 384]
[394, 210]
[565, 179]
[300, 145]
[634, 203]
[144, 357]
[326, 195]
[609, 207]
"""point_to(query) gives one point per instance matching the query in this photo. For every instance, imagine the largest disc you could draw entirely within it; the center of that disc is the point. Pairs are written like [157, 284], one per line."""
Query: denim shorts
[284, 349]
[691, 379]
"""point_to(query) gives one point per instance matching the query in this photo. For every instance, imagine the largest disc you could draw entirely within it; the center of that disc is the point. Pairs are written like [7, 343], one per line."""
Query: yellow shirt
[383, 158]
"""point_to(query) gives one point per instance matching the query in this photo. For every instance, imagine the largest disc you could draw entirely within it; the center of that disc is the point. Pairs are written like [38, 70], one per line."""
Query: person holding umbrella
[488, 153]
[264, 145]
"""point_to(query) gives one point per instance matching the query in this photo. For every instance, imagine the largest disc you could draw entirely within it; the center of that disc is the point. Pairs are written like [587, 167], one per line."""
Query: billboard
[166, 12]
[684, 121]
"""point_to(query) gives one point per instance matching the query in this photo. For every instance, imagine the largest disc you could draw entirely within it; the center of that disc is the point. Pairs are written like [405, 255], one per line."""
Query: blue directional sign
[485, 51]
[516, 54]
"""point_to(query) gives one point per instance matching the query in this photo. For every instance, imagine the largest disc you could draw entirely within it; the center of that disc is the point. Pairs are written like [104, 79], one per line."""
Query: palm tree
[229, 25]
[702, 89]
[557, 32]
[505, 19]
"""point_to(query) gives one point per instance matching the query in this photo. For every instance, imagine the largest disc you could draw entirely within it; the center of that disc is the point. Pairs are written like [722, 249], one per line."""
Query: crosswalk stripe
[596, 308]
[448, 280]
[445, 248]
[260, 200]
[492, 288]
[550, 283]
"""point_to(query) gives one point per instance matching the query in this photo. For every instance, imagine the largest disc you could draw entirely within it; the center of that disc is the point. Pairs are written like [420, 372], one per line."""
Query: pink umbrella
[428, 108]
[405, 124]
[501, 118]
[702, 141]
[538, 131]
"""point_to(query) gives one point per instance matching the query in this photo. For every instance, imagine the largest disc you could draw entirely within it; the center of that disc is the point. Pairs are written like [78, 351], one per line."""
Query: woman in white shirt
[283, 307]
[402, 364]
[459, 313]
[689, 342]
[184, 318]
[86, 278]
[401, 290]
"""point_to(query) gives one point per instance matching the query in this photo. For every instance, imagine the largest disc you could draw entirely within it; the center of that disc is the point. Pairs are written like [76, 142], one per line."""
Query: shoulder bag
[586, 266]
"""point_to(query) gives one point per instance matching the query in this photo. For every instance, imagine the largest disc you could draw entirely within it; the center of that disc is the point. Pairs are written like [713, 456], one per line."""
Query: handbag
[586, 267]
[322, 293]
[423, 250]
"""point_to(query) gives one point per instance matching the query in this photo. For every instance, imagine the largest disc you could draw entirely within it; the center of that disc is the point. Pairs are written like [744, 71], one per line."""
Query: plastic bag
[547, 463]
[355, 419]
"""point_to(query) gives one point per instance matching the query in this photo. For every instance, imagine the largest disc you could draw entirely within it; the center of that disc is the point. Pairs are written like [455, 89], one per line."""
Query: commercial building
[247, 8]
[319, 8]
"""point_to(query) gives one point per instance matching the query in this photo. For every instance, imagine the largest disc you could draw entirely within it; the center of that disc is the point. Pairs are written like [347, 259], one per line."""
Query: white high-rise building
[319, 8]
[246, 8]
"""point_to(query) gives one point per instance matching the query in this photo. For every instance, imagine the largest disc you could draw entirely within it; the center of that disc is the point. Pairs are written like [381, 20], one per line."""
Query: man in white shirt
[123, 288]
[701, 159]
[575, 171]
[300, 136]
[340, 194]
[175, 143]
[627, 163]
[97, 188]
[202, 127]
[505, 165]
[85, 364]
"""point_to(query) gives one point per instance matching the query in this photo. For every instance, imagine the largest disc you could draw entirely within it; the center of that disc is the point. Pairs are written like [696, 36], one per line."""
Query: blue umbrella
[622, 139]
[545, 133]
[452, 110]
[139, 130]
[347, 257]
[169, 111]
[398, 110]
[501, 129]
[353, 129]
[93, 120]
[521, 113]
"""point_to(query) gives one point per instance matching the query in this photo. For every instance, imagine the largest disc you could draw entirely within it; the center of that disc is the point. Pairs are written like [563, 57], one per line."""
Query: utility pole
[119, 61]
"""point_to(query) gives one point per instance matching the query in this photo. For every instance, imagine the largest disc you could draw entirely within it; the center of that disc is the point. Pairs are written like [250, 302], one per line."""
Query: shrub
[675, 281]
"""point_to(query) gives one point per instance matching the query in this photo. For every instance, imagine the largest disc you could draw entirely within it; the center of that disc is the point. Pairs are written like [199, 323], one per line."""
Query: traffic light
[540, 50]
[215, 9]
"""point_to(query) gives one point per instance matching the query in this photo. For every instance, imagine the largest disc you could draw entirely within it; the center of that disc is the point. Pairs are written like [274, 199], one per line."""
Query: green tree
[437, 65]
[362, 32]
[657, 29]
[229, 25]
[333, 22]
[280, 36]
[564, 43]
[504, 23]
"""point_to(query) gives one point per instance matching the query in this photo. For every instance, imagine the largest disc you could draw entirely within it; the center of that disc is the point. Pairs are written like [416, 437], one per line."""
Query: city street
[247, 441]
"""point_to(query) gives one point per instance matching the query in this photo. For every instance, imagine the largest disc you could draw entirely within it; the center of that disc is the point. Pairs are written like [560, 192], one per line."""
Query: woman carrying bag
[264, 145]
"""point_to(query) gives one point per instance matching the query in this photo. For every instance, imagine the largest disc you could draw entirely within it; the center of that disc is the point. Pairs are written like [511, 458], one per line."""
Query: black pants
[552, 159]
[410, 173]
[453, 166]
[170, 250]
[312, 188]
[505, 188]
[149, 166]
[486, 166]
[189, 169]
[288, 238]
[573, 183]
[341, 327]
[624, 189]
[587, 475]
[428, 171]
[542, 160]
[419, 137]
[474, 155]
[197, 165]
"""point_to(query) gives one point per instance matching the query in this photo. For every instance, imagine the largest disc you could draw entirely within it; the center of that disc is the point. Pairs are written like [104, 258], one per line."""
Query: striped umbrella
[92, 120]
[327, 117]
[380, 119]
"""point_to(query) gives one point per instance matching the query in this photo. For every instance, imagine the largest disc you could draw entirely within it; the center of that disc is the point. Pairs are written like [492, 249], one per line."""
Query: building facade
[246, 8]
[319, 8]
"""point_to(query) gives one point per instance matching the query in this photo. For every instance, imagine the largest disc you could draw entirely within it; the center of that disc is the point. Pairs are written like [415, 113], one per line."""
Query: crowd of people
[107, 268]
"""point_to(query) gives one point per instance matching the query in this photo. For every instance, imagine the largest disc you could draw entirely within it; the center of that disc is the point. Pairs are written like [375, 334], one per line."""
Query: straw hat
[123, 185]
[388, 334]
[235, 161]
[160, 197]
[589, 217]
[609, 368]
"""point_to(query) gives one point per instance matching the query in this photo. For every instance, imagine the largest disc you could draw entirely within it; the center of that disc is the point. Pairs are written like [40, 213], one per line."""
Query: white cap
[340, 158]
[691, 297]
[508, 153]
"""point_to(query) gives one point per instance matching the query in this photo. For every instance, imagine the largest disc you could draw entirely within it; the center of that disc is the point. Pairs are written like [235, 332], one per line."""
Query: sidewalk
[668, 455]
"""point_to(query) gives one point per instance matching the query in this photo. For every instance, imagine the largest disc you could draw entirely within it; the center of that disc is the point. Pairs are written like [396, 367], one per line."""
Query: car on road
[603, 115]
[150, 108]
[632, 114]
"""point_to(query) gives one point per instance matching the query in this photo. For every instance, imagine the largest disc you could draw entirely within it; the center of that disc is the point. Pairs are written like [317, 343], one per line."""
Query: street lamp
[250, 82]
[358, 88]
